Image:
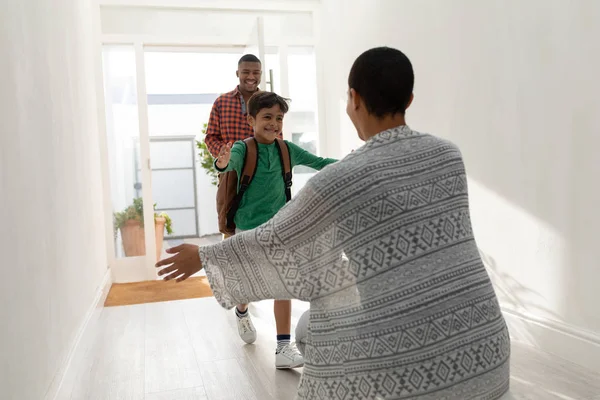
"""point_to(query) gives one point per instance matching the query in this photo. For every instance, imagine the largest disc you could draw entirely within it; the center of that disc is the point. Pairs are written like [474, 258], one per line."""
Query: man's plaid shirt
[228, 121]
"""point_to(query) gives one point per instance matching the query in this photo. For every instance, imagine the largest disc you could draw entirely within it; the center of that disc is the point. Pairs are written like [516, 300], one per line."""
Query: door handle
[270, 81]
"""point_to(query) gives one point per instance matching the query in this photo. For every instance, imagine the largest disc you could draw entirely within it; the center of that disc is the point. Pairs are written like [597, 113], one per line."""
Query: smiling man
[228, 120]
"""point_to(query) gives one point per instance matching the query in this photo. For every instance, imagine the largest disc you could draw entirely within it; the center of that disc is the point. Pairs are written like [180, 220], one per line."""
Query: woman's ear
[412, 97]
[354, 99]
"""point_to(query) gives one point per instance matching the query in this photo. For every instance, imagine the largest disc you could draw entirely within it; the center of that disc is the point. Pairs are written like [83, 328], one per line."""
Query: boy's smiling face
[268, 124]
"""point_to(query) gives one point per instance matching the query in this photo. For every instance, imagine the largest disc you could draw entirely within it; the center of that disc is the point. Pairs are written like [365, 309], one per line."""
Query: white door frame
[146, 168]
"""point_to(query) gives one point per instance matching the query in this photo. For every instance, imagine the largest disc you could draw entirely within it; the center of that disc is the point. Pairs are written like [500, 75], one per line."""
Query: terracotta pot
[133, 237]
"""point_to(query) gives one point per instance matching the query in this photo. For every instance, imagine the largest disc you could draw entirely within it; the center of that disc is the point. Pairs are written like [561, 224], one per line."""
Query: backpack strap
[250, 164]
[286, 164]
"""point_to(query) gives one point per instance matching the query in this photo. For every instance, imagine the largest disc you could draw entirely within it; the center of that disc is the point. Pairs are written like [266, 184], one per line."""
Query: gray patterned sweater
[381, 245]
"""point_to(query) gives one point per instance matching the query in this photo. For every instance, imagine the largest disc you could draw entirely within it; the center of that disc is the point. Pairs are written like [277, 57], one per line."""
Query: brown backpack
[229, 193]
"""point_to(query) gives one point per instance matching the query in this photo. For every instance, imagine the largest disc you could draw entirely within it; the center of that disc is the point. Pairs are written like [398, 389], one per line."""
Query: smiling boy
[264, 197]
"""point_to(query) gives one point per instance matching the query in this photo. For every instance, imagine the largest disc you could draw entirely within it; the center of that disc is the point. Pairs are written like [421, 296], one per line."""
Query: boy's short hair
[260, 100]
[384, 78]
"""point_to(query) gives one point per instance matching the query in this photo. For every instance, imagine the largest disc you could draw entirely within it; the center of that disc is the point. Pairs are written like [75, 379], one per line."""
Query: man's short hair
[261, 100]
[384, 78]
[249, 58]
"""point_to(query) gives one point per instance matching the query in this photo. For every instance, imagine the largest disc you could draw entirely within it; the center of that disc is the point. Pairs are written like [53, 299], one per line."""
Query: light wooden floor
[189, 350]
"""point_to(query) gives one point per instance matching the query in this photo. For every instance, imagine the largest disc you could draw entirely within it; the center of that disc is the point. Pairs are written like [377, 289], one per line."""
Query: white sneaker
[246, 329]
[289, 357]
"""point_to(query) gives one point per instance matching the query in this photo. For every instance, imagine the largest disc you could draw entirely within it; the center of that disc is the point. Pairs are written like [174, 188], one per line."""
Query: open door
[128, 162]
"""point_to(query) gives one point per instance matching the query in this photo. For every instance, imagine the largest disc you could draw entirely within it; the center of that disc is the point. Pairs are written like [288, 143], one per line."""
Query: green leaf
[207, 162]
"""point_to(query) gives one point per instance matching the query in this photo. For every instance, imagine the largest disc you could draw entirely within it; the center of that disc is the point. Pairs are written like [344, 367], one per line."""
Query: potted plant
[131, 224]
[206, 159]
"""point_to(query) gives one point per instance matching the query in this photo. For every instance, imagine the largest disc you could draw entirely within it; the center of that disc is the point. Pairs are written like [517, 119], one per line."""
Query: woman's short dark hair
[260, 100]
[384, 78]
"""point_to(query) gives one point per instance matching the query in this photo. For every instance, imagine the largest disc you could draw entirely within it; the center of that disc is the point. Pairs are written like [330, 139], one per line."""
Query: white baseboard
[566, 341]
[91, 318]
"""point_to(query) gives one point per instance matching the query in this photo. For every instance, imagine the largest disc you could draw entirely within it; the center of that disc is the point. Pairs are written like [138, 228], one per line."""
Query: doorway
[158, 97]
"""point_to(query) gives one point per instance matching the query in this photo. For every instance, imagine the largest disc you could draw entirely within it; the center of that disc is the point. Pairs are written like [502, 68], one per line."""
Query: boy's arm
[236, 160]
[299, 156]
[213, 139]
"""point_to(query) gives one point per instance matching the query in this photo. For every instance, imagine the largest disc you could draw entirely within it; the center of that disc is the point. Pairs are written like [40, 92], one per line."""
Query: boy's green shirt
[266, 194]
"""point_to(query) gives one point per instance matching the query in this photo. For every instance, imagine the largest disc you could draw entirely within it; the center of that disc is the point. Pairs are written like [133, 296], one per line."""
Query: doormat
[126, 294]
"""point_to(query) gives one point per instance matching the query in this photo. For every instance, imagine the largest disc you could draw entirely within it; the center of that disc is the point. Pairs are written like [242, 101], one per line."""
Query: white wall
[52, 239]
[515, 84]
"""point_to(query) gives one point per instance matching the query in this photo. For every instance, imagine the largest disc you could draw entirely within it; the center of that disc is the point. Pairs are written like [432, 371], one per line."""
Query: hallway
[128, 359]
[514, 84]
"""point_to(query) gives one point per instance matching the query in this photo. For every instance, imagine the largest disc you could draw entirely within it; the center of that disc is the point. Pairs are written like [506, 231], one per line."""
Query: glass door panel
[302, 122]
[123, 137]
